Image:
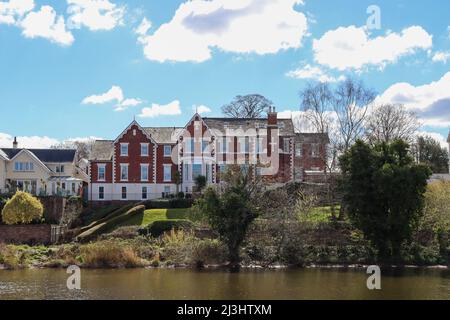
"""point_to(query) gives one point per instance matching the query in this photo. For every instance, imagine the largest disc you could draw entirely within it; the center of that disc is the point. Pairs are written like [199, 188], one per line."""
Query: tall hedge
[22, 208]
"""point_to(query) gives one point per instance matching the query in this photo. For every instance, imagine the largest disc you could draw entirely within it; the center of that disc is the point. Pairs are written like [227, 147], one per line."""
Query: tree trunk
[234, 259]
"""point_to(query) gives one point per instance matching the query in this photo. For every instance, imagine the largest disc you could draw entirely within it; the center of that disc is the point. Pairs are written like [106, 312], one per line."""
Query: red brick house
[146, 163]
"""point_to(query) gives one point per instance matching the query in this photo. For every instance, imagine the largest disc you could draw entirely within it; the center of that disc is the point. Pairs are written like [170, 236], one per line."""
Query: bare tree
[389, 122]
[83, 148]
[317, 102]
[351, 105]
[339, 114]
[249, 106]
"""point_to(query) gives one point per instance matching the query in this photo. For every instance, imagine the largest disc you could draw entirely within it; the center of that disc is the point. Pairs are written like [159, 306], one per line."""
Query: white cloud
[171, 109]
[46, 24]
[12, 10]
[441, 56]
[237, 26]
[314, 73]
[351, 48]
[201, 109]
[143, 28]
[38, 142]
[94, 14]
[431, 101]
[115, 94]
[6, 141]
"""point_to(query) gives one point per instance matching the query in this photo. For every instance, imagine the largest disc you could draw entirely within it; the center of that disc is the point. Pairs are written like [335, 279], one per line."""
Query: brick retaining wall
[29, 234]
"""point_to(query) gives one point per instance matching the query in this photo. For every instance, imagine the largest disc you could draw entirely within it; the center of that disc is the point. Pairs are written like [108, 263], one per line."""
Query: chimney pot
[15, 144]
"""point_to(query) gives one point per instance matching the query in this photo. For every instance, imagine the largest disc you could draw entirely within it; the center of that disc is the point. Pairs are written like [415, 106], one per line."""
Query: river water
[155, 284]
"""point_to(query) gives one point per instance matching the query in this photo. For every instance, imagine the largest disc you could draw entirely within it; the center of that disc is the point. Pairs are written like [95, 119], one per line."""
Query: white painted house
[40, 171]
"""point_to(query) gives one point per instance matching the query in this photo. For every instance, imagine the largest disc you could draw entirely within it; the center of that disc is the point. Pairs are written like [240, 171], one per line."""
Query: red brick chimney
[272, 118]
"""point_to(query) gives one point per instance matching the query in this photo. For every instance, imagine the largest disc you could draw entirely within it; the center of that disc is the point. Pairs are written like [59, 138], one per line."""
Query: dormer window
[59, 169]
[124, 149]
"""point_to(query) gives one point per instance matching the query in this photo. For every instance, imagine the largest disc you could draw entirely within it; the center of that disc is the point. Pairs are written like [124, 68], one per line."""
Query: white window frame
[192, 171]
[23, 166]
[286, 145]
[147, 148]
[189, 145]
[205, 146]
[223, 145]
[169, 154]
[101, 166]
[244, 145]
[101, 193]
[122, 166]
[144, 166]
[259, 145]
[298, 150]
[169, 167]
[146, 193]
[186, 170]
[123, 145]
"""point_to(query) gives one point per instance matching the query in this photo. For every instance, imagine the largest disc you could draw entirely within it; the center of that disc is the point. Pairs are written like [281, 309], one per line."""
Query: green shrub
[180, 195]
[110, 224]
[159, 227]
[175, 203]
[22, 208]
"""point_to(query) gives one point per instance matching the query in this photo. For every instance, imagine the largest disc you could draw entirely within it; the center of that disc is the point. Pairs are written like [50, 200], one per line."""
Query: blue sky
[67, 66]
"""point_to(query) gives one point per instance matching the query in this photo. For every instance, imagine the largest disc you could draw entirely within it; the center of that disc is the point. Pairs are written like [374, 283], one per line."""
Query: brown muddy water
[182, 284]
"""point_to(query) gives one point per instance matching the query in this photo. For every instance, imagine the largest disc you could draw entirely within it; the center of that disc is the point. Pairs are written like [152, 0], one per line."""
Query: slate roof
[286, 126]
[4, 155]
[164, 135]
[102, 150]
[46, 155]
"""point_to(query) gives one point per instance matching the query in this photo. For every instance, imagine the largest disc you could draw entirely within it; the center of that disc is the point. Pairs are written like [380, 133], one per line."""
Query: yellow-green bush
[437, 207]
[22, 208]
[110, 254]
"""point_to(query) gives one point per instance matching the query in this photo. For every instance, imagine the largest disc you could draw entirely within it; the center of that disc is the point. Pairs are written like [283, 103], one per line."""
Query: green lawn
[320, 214]
[152, 215]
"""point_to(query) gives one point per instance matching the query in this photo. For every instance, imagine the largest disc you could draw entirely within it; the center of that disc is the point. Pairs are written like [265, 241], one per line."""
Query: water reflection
[254, 285]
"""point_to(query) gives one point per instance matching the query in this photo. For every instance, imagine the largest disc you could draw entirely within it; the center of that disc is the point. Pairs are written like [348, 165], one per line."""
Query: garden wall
[59, 210]
[30, 234]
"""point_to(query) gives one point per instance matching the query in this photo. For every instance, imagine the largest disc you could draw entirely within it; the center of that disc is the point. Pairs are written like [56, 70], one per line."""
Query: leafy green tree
[22, 208]
[200, 183]
[177, 180]
[384, 193]
[429, 151]
[231, 209]
[437, 214]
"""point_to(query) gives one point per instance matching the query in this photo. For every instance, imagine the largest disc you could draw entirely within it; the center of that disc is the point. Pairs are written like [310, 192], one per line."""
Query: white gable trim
[190, 121]
[33, 156]
[140, 128]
